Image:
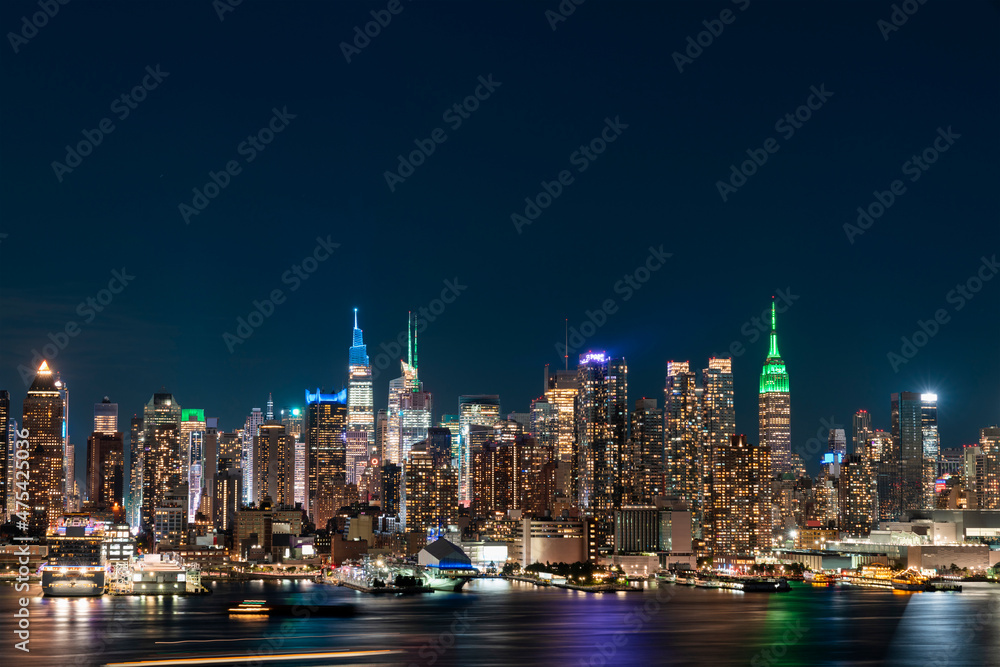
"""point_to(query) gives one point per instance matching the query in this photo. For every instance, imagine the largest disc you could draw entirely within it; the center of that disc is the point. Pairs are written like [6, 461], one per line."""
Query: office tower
[210, 463]
[862, 432]
[596, 444]
[560, 392]
[326, 443]
[837, 442]
[6, 483]
[43, 419]
[451, 423]
[250, 428]
[431, 491]
[907, 435]
[360, 398]
[136, 450]
[473, 410]
[356, 452]
[381, 435]
[774, 405]
[439, 442]
[409, 414]
[884, 452]
[161, 455]
[647, 433]
[856, 503]
[105, 469]
[538, 465]
[415, 415]
[293, 420]
[192, 441]
[931, 447]
[231, 447]
[684, 434]
[301, 483]
[497, 479]
[870, 452]
[741, 497]
[542, 421]
[719, 424]
[227, 494]
[506, 431]
[274, 461]
[987, 488]
[522, 418]
[391, 478]
[621, 461]
[106, 417]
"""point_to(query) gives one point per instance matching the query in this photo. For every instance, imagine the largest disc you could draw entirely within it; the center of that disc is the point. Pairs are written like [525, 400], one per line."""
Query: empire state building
[775, 410]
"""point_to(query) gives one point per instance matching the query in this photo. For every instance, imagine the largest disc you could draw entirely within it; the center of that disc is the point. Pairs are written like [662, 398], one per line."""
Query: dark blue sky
[323, 176]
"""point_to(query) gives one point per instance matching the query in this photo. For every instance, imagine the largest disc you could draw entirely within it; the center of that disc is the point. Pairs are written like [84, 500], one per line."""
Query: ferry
[819, 579]
[74, 567]
[909, 581]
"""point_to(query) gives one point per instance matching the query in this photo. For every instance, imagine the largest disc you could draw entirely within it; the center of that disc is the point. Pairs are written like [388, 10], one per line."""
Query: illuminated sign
[598, 357]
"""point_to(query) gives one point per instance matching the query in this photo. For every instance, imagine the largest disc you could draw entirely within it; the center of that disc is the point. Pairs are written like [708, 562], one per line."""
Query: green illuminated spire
[773, 376]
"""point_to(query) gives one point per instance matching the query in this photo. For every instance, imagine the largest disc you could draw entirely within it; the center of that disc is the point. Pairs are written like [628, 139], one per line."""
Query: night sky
[550, 92]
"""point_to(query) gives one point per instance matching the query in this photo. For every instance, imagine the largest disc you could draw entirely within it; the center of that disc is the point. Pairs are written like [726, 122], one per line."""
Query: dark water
[494, 622]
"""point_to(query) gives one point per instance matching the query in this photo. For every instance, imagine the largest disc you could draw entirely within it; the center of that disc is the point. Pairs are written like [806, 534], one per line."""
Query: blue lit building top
[359, 351]
[320, 397]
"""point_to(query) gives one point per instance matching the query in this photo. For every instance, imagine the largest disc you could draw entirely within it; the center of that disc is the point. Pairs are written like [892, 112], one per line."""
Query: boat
[909, 581]
[262, 608]
[666, 577]
[766, 585]
[74, 567]
[819, 579]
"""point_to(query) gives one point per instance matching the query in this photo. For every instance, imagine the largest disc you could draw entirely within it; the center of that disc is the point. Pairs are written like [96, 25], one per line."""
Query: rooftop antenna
[416, 377]
[355, 318]
[566, 346]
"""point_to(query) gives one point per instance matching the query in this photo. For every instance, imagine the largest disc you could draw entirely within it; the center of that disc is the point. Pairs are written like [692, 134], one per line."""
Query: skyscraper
[250, 428]
[136, 444]
[621, 458]
[719, 424]
[326, 444]
[431, 490]
[684, 434]
[161, 456]
[907, 435]
[987, 485]
[775, 405]
[274, 462]
[43, 419]
[560, 392]
[741, 497]
[69, 457]
[410, 407]
[647, 434]
[106, 417]
[360, 401]
[856, 505]
[931, 446]
[473, 410]
[105, 469]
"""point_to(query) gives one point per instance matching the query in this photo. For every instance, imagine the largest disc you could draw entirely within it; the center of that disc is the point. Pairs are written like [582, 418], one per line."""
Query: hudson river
[493, 622]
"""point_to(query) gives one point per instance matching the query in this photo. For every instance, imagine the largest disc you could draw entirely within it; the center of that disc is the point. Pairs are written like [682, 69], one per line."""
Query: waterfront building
[719, 424]
[684, 435]
[741, 497]
[647, 436]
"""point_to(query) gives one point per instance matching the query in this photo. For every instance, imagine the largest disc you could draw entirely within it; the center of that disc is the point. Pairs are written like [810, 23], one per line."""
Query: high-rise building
[869, 450]
[684, 435]
[326, 443]
[647, 434]
[431, 491]
[451, 423]
[931, 447]
[137, 455]
[856, 503]
[226, 497]
[594, 440]
[161, 454]
[719, 424]
[360, 399]
[43, 419]
[293, 420]
[862, 432]
[884, 451]
[775, 405]
[301, 484]
[389, 490]
[987, 488]
[356, 452]
[274, 461]
[560, 392]
[473, 410]
[410, 407]
[105, 469]
[250, 428]
[497, 479]
[10, 440]
[907, 433]
[106, 417]
[741, 497]
[381, 435]
[622, 461]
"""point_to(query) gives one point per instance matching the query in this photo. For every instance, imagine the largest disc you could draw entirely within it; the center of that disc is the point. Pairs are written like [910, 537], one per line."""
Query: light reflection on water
[494, 622]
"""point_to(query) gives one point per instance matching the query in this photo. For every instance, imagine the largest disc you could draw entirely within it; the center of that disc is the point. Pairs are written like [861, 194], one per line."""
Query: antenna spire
[355, 318]
[566, 346]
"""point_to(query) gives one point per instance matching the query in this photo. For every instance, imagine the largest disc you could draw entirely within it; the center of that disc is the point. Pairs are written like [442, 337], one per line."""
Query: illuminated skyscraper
[775, 405]
[274, 461]
[560, 392]
[326, 443]
[647, 433]
[451, 423]
[719, 424]
[856, 503]
[43, 419]
[106, 417]
[741, 498]
[987, 473]
[599, 428]
[684, 435]
[473, 410]
[907, 433]
[360, 401]
[431, 490]
[250, 428]
[105, 469]
[136, 444]
[410, 407]
[161, 455]
[931, 447]
[870, 453]
[69, 457]
[192, 433]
